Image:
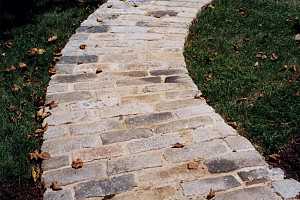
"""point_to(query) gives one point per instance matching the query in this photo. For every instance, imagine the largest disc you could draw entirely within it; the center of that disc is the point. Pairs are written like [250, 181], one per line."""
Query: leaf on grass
[52, 38]
[8, 44]
[11, 69]
[233, 124]
[35, 173]
[55, 186]
[274, 56]
[36, 51]
[82, 46]
[211, 194]
[178, 145]
[261, 55]
[15, 88]
[77, 164]
[42, 114]
[23, 66]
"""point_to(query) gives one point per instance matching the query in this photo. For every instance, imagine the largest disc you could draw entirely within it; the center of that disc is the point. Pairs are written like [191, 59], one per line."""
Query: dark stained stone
[142, 23]
[221, 165]
[93, 29]
[148, 119]
[104, 187]
[78, 59]
[73, 78]
[162, 13]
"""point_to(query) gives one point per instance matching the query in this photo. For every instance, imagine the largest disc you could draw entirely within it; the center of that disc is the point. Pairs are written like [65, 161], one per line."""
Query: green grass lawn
[22, 91]
[244, 58]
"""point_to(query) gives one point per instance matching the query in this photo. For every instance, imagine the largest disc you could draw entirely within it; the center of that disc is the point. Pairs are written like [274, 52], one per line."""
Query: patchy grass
[23, 91]
[244, 58]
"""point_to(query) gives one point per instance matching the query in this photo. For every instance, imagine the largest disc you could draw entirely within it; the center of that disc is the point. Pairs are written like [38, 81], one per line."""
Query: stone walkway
[129, 110]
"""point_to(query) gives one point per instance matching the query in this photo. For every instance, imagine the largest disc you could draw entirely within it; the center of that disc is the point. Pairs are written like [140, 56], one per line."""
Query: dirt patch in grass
[244, 57]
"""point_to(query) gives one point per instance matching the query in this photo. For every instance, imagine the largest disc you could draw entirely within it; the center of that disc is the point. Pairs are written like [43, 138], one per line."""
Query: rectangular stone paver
[104, 188]
[203, 187]
[133, 163]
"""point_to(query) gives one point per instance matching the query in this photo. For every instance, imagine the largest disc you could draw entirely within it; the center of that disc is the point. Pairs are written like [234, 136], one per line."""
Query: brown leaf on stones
[37, 155]
[193, 165]
[110, 196]
[11, 69]
[42, 114]
[178, 145]
[211, 194]
[35, 173]
[99, 20]
[55, 186]
[82, 46]
[233, 124]
[98, 71]
[77, 164]
[52, 104]
[274, 157]
[51, 71]
[52, 38]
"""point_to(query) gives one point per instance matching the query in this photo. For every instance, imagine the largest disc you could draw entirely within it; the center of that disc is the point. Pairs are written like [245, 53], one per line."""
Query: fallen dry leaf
[233, 124]
[178, 145]
[52, 104]
[37, 155]
[297, 37]
[99, 20]
[23, 66]
[193, 165]
[8, 44]
[82, 46]
[98, 71]
[261, 55]
[211, 194]
[11, 69]
[77, 164]
[274, 56]
[44, 156]
[198, 95]
[51, 71]
[35, 173]
[52, 38]
[55, 186]
[256, 64]
[36, 51]
[42, 114]
[15, 88]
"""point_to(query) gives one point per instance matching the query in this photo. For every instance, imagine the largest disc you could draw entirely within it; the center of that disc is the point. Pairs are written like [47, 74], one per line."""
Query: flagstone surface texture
[126, 101]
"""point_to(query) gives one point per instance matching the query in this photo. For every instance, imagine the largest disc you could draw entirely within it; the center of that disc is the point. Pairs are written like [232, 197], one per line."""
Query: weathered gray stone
[239, 143]
[68, 144]
[153, 143]
[125, 135]
[162, 13]
[73, 78]
[93, 29]
[55, 162]
[167, 72]
[69, 175]
[254, 193]
[104, 188]
[133, 163]
[287, 189]
[69, 96]
[147, 120]
[178, 104]
[203, 187]
[54, 132]
[254, 176]
[78, 59]
[65, 194]
[235, 160]
[95, 127]
[195, 151]
[140, 81]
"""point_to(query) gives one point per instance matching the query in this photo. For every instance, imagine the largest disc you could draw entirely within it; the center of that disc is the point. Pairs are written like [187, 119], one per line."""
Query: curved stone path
[128, 109]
